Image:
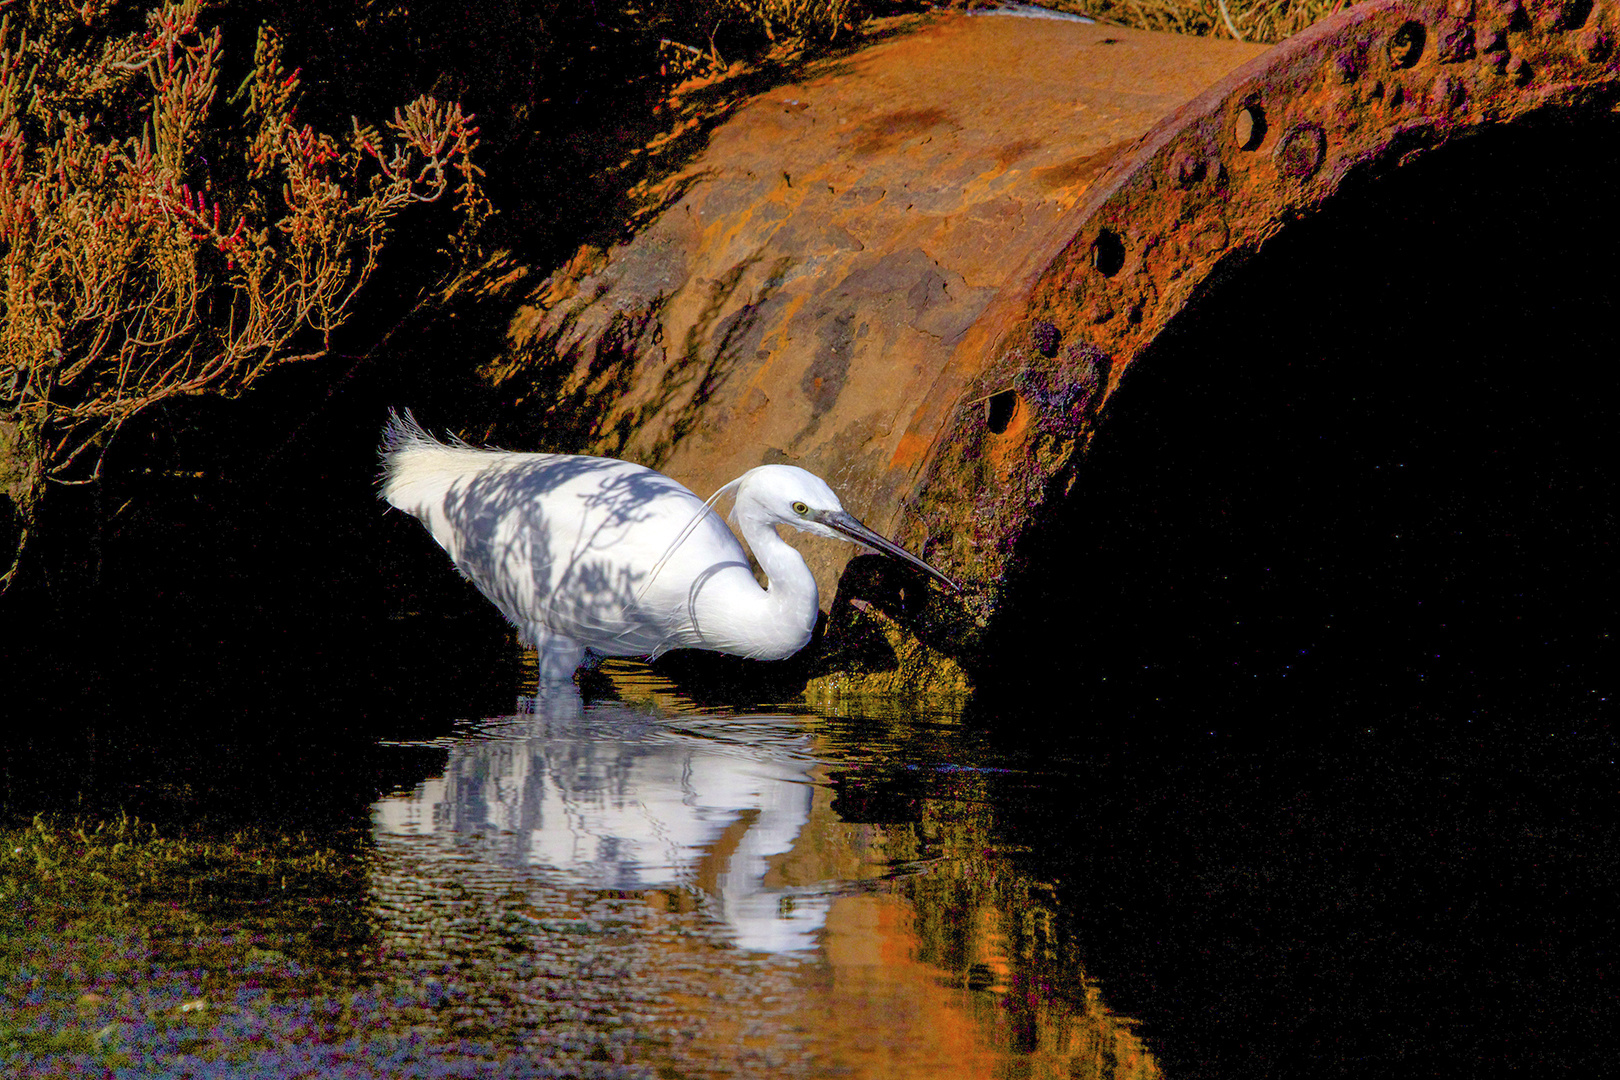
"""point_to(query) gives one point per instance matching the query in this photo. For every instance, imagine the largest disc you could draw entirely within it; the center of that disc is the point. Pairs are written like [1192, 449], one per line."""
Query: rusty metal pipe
[922, 271]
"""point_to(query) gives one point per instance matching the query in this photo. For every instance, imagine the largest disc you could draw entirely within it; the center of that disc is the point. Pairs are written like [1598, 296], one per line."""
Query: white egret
[590, 555]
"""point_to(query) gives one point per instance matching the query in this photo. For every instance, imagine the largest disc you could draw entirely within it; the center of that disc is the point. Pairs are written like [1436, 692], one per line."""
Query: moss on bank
[119, 943]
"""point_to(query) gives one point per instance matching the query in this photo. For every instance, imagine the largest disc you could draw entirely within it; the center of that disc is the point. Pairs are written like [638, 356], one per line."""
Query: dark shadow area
[226, 640]
[1372, 467]
[1334, 597]
[717, 680]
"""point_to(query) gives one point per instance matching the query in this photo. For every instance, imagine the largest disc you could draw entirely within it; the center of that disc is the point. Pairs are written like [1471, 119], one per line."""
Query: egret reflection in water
[721, 896]
[609, 797]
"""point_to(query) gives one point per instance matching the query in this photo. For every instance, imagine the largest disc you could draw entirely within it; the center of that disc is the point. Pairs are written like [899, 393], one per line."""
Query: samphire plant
[155, 245]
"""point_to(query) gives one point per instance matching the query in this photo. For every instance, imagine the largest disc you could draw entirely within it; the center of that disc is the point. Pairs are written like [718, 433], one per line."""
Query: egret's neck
[786, 573]
[790, 603]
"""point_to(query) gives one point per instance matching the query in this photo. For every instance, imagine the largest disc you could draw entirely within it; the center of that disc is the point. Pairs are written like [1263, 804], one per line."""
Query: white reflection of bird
[593, 555]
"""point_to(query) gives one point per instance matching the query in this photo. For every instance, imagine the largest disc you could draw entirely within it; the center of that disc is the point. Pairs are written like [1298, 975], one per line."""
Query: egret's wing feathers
[575, 545]
[704, 511]
[586, 553]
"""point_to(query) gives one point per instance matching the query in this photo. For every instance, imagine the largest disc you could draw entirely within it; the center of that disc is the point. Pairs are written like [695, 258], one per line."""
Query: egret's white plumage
[593, 554]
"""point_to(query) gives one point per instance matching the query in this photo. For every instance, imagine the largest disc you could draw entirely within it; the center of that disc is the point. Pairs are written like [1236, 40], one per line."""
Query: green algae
[114, 928]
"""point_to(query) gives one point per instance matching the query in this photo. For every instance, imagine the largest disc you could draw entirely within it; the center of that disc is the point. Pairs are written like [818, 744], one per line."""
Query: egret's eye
[800, 509]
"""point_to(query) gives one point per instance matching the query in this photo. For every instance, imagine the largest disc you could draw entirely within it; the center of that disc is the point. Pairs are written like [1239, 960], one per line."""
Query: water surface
[631, 886]
[635, 885]
[711, 895]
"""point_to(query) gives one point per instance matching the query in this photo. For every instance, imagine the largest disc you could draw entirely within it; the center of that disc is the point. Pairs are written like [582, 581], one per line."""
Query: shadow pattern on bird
[514, 553]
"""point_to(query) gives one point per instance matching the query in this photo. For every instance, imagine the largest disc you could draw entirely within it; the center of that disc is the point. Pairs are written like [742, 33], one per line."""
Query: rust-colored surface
[1363, 90]
[921, 272]
[839, 239]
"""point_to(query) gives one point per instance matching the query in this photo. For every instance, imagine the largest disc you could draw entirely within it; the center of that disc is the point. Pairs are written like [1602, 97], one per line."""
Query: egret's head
[788, 495]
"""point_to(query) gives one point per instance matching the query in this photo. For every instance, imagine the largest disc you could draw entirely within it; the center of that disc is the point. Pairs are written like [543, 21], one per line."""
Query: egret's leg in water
[556, 656]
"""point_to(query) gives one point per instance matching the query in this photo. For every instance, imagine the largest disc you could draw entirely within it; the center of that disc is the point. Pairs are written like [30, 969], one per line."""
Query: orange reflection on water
[882, 1012]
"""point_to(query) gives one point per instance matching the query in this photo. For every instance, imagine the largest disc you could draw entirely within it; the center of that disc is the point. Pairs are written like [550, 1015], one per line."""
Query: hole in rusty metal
[999, 411]
[1108, 253]
[1406, 45]
[1249, 131]
[1189, 167]
[1301, 151]
[1567, 14]
[1597, 46]
[1046, 337]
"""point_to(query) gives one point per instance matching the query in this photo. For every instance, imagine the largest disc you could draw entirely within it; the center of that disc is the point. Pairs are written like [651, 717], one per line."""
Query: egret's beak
[846, 524]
